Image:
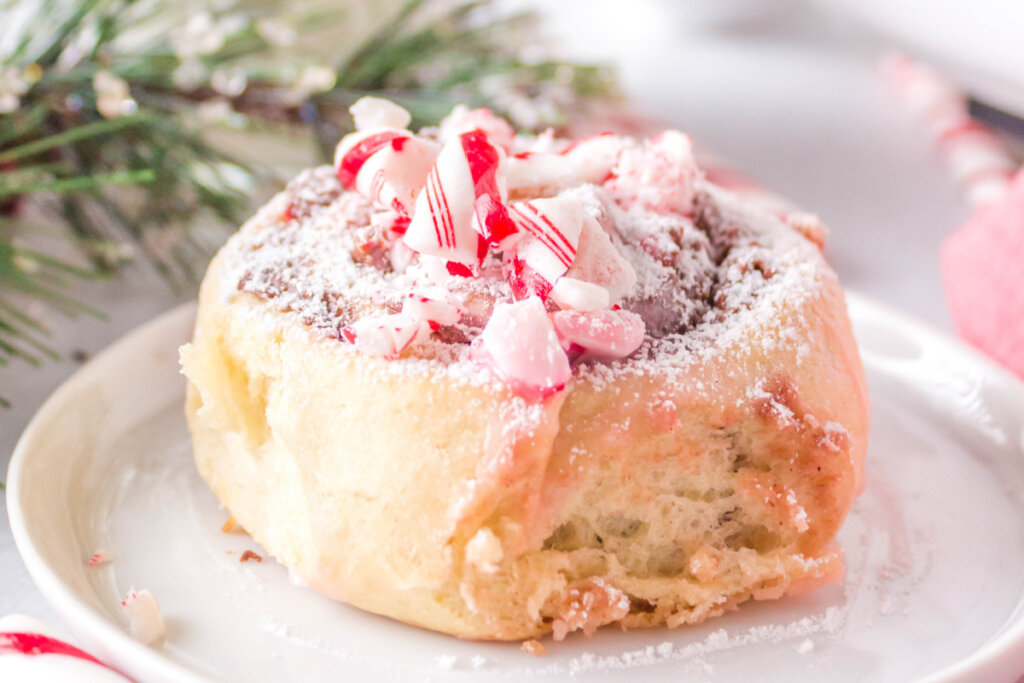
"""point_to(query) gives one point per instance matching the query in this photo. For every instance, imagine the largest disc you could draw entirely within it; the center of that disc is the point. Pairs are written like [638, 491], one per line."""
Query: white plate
[935, 545]
[980, 42]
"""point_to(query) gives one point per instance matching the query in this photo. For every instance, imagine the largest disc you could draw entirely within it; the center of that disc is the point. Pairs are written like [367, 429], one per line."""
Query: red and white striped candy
[461, 207]
[386, 336]
[100, 557]
[520, 344]
[435, 307]
[388, 166]
[658, 176]
[30, 651]
[602, 335]
[979, 160]
[550, 234]
[462, 119]
[600, 263]
[145, 623]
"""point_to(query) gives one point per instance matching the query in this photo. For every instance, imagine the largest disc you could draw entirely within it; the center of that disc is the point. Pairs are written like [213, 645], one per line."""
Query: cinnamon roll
[500, 385]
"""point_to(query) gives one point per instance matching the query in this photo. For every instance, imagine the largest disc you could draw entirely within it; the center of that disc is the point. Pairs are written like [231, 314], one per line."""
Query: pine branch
[105, 106]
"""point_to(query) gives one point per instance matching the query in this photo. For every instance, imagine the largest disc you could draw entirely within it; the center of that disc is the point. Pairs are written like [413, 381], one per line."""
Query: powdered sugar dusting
[702, 278]
[829, 622]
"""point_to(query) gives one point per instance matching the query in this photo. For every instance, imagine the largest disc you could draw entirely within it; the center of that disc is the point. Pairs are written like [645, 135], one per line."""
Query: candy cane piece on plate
[31, 651]
[145, 623]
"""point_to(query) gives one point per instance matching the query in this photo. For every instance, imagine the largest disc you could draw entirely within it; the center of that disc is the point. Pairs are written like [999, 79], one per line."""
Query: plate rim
[76, 614]
[994, 656]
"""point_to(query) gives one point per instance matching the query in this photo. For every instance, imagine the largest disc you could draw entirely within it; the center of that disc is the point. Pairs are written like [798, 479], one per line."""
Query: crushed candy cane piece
[533, 647]
[376, 112]
[462, 119]
[658, 176]
[579, 295]
[592, 159]
[523, 280]
[145, 623]
[100, 558]
[401, 256]
[551, 230]
[603, 335]
[385, 165]
[537, 171]
[599, 262]
[461, 206]
[535, 365]
[389, 222]
[386, 336]
[438, 307]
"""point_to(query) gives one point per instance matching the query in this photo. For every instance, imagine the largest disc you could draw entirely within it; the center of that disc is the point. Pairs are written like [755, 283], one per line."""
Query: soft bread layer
[634, 499]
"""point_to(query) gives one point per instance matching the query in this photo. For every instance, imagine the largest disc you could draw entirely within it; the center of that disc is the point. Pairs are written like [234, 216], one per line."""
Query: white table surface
[794, 97]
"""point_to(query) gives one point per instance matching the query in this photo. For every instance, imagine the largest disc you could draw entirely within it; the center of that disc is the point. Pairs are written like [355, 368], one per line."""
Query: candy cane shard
[658, 176]
[592, 159]
[599, 262]
[435, 307]
[579, 295]
[603, 335]
[100, 557]
[520, 344]
[523, 280]
[145, 623]
[386, 336]
[461, 207]
[31, 651]
[536, 171]
[388, 166]
[551, 232]
[462, 119]
[376, 112]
